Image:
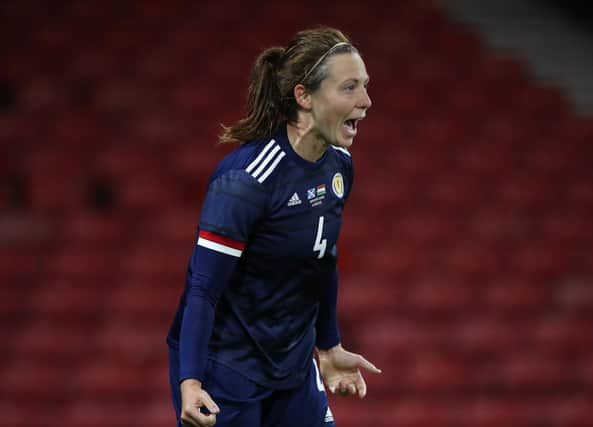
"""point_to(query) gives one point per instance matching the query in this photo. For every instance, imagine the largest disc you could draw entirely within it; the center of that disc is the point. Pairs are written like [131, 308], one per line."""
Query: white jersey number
[320, 244]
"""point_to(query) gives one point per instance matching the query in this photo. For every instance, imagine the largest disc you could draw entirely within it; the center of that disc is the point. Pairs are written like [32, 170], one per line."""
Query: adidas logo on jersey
[294, 200]
[329, 417]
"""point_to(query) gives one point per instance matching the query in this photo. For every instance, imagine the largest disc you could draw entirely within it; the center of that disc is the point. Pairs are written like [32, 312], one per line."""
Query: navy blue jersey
[264, 260]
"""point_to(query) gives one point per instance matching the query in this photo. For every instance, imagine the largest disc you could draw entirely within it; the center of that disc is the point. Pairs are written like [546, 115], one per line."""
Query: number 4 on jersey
[320, 244]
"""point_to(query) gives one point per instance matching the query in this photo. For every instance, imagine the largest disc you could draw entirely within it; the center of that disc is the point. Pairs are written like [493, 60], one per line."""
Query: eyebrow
[356, 80]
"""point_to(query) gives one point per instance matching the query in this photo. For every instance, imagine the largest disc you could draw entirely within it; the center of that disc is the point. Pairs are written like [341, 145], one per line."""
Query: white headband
[320, 60]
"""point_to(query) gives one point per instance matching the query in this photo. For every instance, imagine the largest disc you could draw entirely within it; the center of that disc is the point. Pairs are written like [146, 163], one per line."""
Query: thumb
[363, 363]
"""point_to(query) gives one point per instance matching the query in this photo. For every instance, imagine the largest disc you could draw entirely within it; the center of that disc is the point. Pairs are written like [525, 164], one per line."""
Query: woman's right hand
[193, 397]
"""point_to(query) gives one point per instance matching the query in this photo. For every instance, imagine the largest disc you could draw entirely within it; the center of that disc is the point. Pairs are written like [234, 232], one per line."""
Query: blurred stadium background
[467, 250]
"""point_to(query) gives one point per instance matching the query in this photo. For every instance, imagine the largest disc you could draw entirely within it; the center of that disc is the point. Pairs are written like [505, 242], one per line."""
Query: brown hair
[277, 70]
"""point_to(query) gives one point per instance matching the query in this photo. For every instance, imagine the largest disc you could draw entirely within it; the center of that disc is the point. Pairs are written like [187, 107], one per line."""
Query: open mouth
[350, 126]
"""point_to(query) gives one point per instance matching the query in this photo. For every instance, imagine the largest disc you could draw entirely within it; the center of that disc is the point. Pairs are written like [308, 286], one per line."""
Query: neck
[305, 141]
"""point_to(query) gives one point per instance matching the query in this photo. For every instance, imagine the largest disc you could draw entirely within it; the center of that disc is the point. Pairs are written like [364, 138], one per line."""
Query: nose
[365, 100]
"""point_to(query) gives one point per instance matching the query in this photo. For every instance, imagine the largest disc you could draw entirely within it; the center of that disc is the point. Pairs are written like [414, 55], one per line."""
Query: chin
[344, 143]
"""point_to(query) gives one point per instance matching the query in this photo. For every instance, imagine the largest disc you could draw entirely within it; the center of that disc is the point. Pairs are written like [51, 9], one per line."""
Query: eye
[350, 87]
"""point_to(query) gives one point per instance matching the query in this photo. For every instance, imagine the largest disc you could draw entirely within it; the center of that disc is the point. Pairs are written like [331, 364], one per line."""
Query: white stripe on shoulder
[266, 161]
[343, 150]
[219, 247]
[261, 155]
[272, 167]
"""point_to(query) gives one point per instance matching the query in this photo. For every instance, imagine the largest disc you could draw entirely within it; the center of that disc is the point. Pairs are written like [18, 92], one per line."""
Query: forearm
[328, 334]
[209, 273]
[196, 328]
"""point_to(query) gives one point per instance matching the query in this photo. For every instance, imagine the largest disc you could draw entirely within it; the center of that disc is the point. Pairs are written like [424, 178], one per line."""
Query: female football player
[261, 286]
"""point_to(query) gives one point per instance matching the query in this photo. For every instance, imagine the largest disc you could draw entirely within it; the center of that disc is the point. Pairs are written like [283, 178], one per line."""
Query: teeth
[351, 126]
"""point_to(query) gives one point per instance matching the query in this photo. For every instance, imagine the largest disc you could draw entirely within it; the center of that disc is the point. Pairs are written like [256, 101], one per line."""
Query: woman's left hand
[341, 371]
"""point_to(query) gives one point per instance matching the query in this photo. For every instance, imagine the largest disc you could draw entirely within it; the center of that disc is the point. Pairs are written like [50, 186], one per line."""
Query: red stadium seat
[56, 180]
[517, 296]
[571, 411]
[90, 412]
[421, 412]
[46, 342]
[69, 302]
[536, 371]
[158, 412]
[470, 258]
[563, 336]
[481, 335]
[491, 412]
[172, 227]
[25, 379]
[80, 261]
[124, 160]
[539, 261]
[112, 380]
[141, 300]
[19, 414]
[366, 295]
[14, 306]
[142, 192]
[96, 231]
[149, 259]
[434, 297]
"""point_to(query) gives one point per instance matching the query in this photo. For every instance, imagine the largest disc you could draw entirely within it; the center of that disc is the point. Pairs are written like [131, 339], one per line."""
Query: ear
[302, 97]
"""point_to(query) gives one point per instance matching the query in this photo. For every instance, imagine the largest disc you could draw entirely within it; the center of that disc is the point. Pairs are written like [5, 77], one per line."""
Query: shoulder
[342, 156]
[258, 159]
[343, 151]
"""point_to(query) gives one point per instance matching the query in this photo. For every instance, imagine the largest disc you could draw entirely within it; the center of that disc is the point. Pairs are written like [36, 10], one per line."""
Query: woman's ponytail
[263, 101]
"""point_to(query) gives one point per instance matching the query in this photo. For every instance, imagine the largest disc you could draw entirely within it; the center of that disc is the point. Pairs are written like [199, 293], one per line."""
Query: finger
[206, 420]
[352, 389]
[363, 363]
[209, 403]
[333, 387]
[189, 419]
[347, 388]
[361, 386]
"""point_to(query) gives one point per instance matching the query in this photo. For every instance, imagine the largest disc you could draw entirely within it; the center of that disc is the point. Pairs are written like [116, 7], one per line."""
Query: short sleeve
[234, 203]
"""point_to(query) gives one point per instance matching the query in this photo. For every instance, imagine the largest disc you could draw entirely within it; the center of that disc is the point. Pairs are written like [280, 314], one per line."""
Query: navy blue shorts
[244, 403]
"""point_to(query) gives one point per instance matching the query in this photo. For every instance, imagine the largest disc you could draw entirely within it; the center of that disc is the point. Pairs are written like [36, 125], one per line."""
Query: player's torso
[285, 267]
[304, 214]
[265, 319]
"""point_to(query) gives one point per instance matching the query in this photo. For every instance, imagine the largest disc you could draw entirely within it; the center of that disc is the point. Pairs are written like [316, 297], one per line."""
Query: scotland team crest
[338, 185]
